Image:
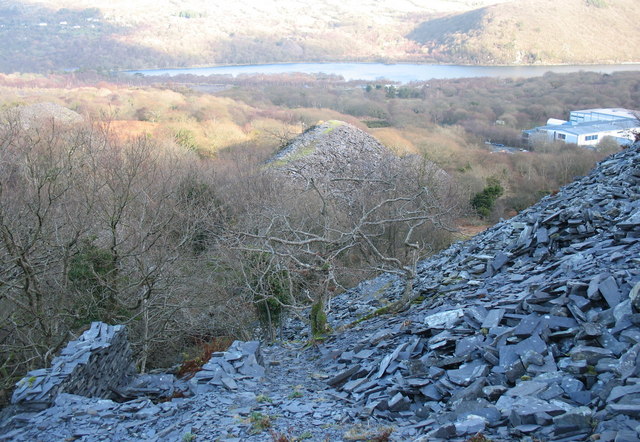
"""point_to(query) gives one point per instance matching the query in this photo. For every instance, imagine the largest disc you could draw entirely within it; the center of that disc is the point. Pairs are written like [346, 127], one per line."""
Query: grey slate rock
[444, 320]
[470, 426]
[493, 318]
[339, 378]
[620, 392]
[527, 326]
[632, 410]
[579, 417]
[467, 373]
[634, 297]
[443, 432]
[628, 364]
[626, 436]
[609, 289]
[493, 392]
[526, 388]
[591, 354]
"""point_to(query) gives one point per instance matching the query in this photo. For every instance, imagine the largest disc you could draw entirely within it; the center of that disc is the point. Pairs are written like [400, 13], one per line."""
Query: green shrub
[89, 269]
[271, 288]
[186, 139]
[373, 124]
[318, 318]
[483, 201]
[259, 422]
[92, 273]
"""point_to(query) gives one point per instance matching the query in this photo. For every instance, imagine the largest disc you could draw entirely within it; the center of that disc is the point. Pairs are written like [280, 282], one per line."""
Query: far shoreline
[373, 71]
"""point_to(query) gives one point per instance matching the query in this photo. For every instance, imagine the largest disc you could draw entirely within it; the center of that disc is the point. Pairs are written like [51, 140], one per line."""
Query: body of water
[402, 72]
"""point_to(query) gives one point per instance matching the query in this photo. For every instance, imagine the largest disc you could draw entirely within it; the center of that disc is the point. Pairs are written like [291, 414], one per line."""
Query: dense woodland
[158, 210]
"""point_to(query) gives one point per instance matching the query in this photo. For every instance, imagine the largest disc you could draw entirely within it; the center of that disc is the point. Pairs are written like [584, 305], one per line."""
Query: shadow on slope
[38, 39]
[442, 30]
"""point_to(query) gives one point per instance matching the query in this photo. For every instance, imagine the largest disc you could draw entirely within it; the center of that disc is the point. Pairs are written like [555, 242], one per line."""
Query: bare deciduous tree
[331, 227]
[96, 229]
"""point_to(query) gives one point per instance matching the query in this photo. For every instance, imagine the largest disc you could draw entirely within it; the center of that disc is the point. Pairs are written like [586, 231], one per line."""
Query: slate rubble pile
[242, 362]
[93, 365]
[289, 396]
[330, 146]
[529, 330]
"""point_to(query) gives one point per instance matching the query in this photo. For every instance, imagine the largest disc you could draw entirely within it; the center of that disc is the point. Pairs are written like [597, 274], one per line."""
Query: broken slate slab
[610, 291]
[444, 320]
[591, 354]
[493, 318]
[470, 426]
[628, 365]
[467, 373]
[499, 261]
[339, 378]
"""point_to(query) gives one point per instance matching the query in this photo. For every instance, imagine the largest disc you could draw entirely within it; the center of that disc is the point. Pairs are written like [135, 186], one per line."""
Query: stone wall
[93, 365]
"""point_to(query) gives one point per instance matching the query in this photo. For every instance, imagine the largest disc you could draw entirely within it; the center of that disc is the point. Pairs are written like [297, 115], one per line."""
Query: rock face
[528, 330]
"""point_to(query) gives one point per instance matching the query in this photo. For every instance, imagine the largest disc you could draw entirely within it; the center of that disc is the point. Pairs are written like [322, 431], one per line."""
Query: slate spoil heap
[528, 331]
[530, 328]
[94, 365]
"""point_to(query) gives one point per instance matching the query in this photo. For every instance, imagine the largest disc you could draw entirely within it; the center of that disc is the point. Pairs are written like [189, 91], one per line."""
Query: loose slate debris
[528, 330]
[549, 322]
[241, 361]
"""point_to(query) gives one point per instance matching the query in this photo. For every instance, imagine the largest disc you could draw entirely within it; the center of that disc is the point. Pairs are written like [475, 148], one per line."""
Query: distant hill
[89, 34]
[537, 31]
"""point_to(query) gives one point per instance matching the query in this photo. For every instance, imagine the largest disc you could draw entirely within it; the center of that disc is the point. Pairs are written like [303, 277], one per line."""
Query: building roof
[613, 111]
[592, 127]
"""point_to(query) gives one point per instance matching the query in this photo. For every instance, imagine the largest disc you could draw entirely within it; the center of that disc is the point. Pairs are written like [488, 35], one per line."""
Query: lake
[401, 72]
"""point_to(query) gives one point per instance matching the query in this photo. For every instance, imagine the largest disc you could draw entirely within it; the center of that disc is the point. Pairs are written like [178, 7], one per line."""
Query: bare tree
[92, 228]
[332, 228]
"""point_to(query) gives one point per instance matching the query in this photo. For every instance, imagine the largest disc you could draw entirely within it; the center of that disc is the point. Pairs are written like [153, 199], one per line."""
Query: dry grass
[126, 129]
[394, 140]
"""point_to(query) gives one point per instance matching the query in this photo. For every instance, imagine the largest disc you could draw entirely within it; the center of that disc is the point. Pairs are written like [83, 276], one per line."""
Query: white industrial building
[588, 127]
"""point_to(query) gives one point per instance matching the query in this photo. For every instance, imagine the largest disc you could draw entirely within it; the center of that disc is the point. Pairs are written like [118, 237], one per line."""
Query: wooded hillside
[536, 31]
[87, 34]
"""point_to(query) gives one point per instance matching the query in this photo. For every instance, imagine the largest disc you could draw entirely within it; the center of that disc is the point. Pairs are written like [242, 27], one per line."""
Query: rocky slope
[527, 331]
[334, 150]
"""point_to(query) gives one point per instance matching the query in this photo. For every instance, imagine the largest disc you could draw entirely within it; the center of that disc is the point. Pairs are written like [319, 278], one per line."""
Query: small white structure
[588, 127]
